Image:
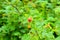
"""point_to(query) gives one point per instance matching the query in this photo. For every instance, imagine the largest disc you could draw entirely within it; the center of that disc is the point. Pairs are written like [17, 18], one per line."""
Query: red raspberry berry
[29, 19]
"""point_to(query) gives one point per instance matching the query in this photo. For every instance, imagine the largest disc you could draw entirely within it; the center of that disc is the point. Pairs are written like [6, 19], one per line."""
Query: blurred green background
[29, 20]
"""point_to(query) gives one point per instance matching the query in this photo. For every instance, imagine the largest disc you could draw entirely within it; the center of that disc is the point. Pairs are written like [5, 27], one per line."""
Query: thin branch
[15, 8]
[37, 34]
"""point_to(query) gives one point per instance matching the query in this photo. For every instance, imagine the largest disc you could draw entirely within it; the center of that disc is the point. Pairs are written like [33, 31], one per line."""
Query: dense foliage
[29, 20]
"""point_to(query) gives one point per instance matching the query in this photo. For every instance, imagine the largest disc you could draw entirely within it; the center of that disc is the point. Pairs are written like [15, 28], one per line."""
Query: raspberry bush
[29, 20]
